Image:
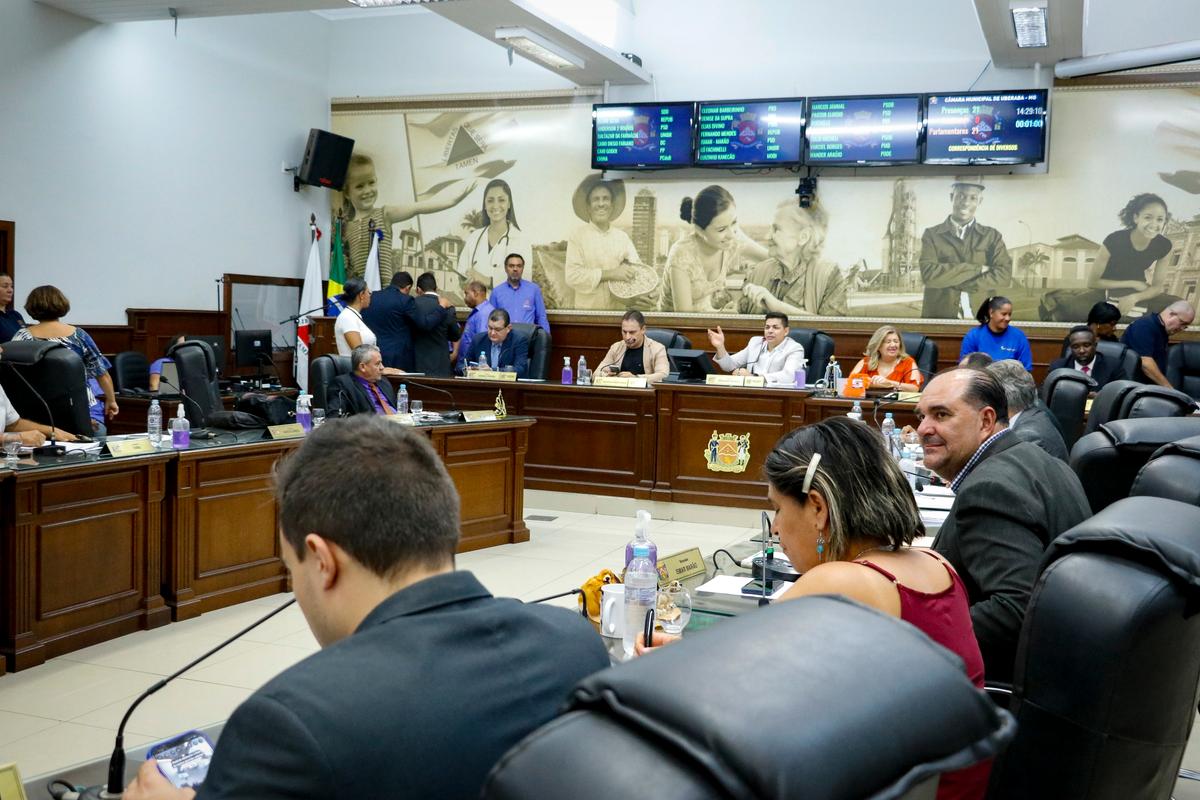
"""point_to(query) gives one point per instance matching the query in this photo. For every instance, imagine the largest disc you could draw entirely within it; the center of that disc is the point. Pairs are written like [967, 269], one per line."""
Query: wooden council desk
[92, 547]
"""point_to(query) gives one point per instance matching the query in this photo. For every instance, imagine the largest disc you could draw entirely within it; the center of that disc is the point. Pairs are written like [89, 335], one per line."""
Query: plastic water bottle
[639, 537]
[837, 374]
[909, 468]
[855, 411]
[581, 372]
[641, 589]
[304, 412]
[897, 445]
[154, 423]
[181, 431]
[888, 429]
[801, 377]
[402, 399]
[483, 364]
[568, 377]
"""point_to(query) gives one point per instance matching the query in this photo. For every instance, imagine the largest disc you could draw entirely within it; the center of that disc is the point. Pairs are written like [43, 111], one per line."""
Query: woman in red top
[887, 364]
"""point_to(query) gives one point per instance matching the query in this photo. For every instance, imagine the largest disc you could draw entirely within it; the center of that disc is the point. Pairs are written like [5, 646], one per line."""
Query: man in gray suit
[425, 680]
[1011, 500]
[1028, 418]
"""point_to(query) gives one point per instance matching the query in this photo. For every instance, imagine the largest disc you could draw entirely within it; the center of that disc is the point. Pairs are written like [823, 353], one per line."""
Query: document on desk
[731, 585]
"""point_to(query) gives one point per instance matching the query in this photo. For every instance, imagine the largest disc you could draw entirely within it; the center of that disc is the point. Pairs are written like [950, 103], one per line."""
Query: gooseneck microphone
[37, 394]
[453, 415]
[116, 764]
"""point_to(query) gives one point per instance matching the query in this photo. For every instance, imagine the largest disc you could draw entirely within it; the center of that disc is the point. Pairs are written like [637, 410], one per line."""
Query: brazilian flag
[337, 272]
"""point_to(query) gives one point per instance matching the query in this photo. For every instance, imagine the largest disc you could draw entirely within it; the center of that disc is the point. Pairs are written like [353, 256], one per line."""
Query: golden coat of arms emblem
[728, 452]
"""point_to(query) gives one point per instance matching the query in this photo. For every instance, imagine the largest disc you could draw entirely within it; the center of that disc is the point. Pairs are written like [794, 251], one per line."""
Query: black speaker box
[326, 157]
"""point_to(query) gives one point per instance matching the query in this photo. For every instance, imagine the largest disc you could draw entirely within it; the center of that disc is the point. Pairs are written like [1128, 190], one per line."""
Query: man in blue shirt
[505, 348]
[1149, 336]
[476, 297]
[521, 299]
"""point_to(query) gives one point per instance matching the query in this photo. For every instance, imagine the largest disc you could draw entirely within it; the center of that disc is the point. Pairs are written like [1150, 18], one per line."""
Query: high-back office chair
[197, 367]
[1065, 392]
[130, 372]
[1173, 472]
[669, 338]
[1107, 403]
[321, 371]
[818, 347]
[1155, 401]
[1108, 660]
[1108, 460]
[539, 348]
[46, 382]
[924, 351]
[801, 711]
[1183, 368]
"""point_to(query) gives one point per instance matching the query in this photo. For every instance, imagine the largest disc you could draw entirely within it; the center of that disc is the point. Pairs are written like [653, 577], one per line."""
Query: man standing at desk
[1150, 335]
[505, 348]
[774, 355]
[432, 346]
[363, 391]
[393, 316]
[424, 679]
[635, 355]
[961, 257]
[522, 299]
[481, 308]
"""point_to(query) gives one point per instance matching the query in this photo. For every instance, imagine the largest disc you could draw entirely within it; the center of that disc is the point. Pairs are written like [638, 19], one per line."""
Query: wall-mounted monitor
[750, 133]
[986, 127]
[642, 136]
[863, 131]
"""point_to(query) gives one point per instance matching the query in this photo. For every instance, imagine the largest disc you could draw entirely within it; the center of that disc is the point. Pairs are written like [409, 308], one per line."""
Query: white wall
[139, 166]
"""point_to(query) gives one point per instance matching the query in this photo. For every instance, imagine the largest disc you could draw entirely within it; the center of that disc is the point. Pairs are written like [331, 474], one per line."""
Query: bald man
[1150, 335]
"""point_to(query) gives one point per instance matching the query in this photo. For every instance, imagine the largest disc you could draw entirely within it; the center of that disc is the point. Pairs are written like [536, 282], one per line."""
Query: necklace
[860, 553]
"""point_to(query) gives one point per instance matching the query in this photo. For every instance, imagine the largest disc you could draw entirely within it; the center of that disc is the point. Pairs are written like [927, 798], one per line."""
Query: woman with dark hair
[483, 255]
[996, 335]
[48, 305]
[156, 367]
[698, 264]
[1103, 319]
[1127, 255]
[349, 330]
[11, 320]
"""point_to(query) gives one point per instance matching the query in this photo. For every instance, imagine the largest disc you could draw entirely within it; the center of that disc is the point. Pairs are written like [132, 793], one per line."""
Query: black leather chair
[924, 351]
[1183, 368]
[1173, 472]
[130, 372]
[1065, 392]
[669, 338]
[197, 366]
[797, 713]
[321, 371]
[1107, 403]
[539, 348]
[46, 382]
[1108, 460]
[1155, 401]
[1119, 352]
[1108, 661]
[818, 347]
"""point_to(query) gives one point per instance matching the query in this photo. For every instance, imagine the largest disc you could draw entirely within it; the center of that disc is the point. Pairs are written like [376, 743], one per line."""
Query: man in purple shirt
[476, 297]
[521, 299]
[364, 390]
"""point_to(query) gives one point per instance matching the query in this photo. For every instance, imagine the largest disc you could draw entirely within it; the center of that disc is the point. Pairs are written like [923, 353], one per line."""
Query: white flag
[371, 276]
[310, 298]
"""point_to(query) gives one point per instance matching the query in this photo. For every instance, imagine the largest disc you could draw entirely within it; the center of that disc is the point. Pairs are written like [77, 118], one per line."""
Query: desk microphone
[116, 764]
[199, 433]
[453, 415]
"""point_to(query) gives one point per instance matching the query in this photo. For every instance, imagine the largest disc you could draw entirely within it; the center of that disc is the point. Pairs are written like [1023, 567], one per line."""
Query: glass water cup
[12, 449]
[416, 406]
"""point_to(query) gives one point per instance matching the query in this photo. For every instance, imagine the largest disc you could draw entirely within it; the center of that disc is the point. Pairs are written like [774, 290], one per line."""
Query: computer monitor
[253, 348]
[217, 343]
[691, 365]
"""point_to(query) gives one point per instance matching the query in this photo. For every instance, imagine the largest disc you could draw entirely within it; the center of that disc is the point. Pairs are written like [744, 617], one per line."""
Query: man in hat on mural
[961, 258]
[598, 253]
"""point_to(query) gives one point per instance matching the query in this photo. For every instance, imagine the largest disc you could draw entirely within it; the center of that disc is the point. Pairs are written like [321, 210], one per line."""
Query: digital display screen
[864, 130]
[749, 133]
[645, 136]
[986, 128]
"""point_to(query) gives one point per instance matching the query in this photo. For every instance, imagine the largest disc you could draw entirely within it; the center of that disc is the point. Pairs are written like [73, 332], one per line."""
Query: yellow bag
[592, 589]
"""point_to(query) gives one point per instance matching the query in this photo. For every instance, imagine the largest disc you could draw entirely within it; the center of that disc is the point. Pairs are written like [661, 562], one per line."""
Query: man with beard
[794, 281]
[961, 257]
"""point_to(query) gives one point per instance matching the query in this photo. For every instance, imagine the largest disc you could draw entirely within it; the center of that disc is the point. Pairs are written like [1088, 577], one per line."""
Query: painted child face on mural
[964, 202]
[722, 230]
[600, 205]
[361, 187]
[1151, 220]
[497, 205]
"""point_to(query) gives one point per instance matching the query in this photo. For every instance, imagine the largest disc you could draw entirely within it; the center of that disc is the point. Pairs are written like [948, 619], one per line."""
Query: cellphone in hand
[183, 760]
[755, 588]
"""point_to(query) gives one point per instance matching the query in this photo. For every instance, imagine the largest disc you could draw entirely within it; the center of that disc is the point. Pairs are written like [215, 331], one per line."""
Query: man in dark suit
[432, 347]
[1028, 419]
[393, 317]
[961, 260]
[425, 679]
[1085, 358]
[363, 391]
[1011, 500]
[504, 347]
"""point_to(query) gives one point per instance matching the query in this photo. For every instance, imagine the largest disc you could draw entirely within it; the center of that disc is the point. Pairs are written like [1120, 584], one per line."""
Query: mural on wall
[1116, 217]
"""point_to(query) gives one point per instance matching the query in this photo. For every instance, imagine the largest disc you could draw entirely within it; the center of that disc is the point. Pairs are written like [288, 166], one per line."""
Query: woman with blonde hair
[887, 364]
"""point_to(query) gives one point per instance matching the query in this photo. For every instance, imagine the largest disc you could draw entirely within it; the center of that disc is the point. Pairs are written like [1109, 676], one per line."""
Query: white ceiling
[139, 10]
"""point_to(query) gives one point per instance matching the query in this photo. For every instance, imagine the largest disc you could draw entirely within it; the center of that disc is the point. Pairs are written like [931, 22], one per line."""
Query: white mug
[612, 610]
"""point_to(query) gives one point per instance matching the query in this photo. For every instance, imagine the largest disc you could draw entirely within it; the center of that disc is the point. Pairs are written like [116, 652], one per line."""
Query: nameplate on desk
[138, 446]
[292, 430]
[908, 397]
[619, 382]
[490, 375]
[754, 380]
[681, 565]
[735, 380]
[479, 416]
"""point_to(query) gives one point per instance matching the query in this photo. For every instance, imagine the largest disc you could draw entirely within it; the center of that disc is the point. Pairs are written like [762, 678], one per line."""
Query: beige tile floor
[65, 712]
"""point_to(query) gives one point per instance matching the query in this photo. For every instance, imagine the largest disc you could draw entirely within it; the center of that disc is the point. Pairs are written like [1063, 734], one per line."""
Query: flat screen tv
[986, 127]
[876, 130]
[642, 136]
[750, 133]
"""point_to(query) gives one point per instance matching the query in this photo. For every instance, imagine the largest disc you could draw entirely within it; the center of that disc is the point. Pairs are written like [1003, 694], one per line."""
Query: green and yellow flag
[337, 272]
